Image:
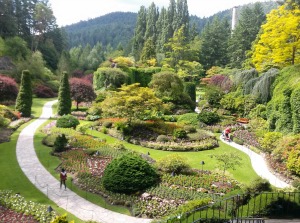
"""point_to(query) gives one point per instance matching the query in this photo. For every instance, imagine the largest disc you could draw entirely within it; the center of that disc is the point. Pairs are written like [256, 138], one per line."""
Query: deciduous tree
[132, 102]
[81, 91]
[279, 41]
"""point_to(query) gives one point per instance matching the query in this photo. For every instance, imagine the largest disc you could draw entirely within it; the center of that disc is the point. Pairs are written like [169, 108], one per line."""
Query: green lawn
[52, 162]
[11, 175]
[244, 173]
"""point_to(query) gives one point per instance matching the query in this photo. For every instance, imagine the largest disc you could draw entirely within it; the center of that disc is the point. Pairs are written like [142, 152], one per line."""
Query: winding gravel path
[49, 185]
[259, 165]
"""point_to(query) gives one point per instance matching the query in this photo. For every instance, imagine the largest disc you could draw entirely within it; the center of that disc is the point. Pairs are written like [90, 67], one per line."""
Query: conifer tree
[139, 33]
[24, 99]
[64, 97]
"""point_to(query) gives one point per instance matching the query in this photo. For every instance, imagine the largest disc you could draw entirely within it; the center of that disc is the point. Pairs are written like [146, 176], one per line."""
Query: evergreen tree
[24, 99]
[64, 97]
[162, 27]
[245, 33]
[152, 16]
[215, 38]
[139, 33]
[8, 25]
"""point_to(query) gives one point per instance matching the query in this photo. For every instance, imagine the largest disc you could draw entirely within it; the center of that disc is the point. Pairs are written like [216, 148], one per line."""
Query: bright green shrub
[285, 123]
[61, 219]
[142, 75]
[213, 96]
[129, 174]
[4, 121]
[189, 129]
[173, 163]
[24, 98]
[109, 78]
[60, 143]
[295, 103]
[180, 133]
[208, 117]
[293, 162]
[49, 140]
[270, 140]
[188, 119]
[67, 121]
[259, 185]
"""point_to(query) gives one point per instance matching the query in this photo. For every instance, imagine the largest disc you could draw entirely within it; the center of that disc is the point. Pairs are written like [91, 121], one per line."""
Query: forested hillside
[111, 29]
[118, 27]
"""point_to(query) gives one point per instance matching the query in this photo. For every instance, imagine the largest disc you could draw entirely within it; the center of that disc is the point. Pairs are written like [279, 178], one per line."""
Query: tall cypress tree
[139, 33]
[24, 99]
[64, 96]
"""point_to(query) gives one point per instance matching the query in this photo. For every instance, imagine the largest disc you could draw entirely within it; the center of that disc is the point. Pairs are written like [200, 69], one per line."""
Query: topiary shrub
[173, 163]
[208, 117]
[24, 99]
[60, 143]
[67, 121]
[64, 96]
[129, 174]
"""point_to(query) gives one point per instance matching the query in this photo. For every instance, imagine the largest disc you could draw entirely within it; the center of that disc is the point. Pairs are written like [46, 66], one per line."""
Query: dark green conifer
[64, 97]
[24, 98]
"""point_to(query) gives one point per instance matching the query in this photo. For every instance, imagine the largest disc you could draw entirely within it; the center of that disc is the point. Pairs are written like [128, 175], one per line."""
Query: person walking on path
[63, 178]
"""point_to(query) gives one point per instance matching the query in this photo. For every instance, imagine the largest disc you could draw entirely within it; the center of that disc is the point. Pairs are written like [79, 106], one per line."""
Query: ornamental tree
[279, 42]
[24, 98]
[132, 102]
[8, 88]
[81, 91]
[64, 97]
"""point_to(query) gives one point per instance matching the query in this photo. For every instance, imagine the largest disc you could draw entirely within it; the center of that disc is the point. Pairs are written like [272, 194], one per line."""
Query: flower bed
[18, 204]
[8, 215]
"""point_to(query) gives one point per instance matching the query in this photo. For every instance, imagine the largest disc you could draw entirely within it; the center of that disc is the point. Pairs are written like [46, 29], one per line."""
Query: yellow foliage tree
[279, 40]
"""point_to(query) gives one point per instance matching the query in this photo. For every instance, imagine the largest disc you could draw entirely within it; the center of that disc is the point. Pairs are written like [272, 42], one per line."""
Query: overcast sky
[72, 11]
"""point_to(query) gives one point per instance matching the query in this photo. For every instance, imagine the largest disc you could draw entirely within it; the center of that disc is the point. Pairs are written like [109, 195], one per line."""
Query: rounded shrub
[128, 174]
[208, 117]
[42, 91]
[173, 163]
[162, 138]
[179, 133]
[67, 121]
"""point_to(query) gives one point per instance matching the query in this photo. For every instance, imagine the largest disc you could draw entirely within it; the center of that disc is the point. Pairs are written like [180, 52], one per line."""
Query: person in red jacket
[63, 178]
[227, 132]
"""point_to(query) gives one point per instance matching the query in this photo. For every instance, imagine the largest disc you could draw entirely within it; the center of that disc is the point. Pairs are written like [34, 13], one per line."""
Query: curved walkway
[259, 165]
[49, 185]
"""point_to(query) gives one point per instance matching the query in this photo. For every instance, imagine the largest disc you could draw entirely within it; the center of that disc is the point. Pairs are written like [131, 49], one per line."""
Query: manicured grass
[244, 173]
[13, 178]
[52, 162]
[37, 105]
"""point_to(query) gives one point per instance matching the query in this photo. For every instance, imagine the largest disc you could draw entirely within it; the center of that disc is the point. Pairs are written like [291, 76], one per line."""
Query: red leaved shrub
[42, 91]
[8, 88]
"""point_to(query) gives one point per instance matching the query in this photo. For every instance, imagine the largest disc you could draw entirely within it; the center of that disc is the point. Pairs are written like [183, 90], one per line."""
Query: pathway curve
[259, 165]
[49, 185]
